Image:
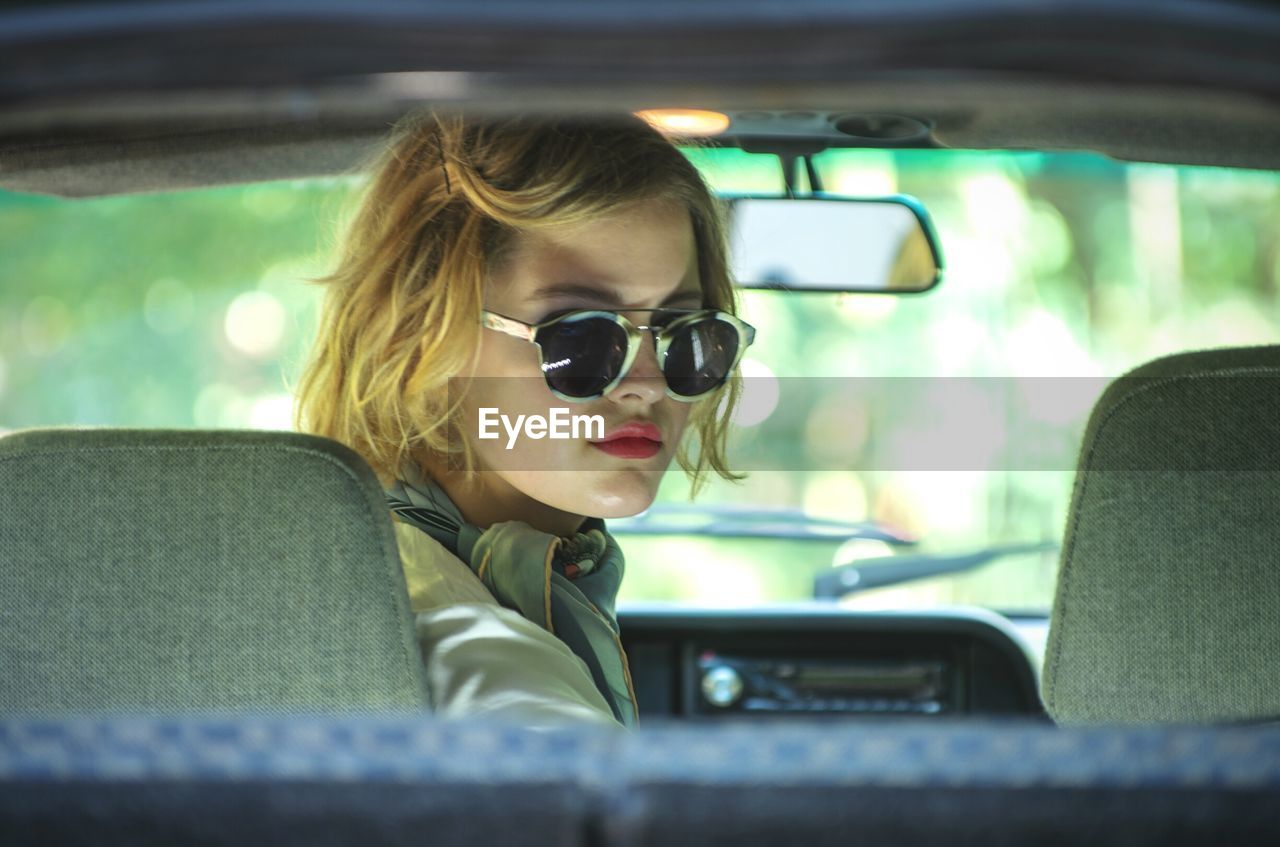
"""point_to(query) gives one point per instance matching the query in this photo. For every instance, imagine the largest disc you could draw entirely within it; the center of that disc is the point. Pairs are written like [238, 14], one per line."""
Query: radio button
[722, 686]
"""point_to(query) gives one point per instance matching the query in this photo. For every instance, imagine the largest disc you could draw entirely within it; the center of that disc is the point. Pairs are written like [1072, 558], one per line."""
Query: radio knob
[722, 686]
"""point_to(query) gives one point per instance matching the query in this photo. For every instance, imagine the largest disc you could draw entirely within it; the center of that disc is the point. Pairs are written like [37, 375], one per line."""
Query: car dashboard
[798, 661]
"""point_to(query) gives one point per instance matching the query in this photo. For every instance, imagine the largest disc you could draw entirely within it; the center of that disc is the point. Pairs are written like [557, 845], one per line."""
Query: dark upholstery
[1168, 599]
[396, 781]
[187, 571]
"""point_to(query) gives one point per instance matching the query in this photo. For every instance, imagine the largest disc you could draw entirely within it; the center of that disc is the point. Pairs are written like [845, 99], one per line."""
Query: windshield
[192, 309]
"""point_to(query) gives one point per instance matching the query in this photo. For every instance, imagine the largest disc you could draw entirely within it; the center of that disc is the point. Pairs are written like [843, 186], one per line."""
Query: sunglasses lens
[580, 358]
[700, 356]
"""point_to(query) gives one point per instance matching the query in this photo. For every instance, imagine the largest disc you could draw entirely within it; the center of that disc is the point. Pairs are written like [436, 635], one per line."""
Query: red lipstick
[636, 440]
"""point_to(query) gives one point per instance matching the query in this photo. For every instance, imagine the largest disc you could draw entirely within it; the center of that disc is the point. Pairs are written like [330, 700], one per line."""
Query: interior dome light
[686, 122]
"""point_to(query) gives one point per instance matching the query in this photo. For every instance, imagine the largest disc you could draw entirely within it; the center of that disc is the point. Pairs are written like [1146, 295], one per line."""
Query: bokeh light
[759, 394]
[872, 174]
[708, 578]
[272, 411]
[1042, 345]
[255, 323]
[835, 495]
[168, 306]
[220, 405]
[866, 310]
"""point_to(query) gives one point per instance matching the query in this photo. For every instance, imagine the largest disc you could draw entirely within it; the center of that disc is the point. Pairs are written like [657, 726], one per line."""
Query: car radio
[737, 683]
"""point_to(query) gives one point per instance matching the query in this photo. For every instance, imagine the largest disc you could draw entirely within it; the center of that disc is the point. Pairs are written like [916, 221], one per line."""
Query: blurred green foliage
[193, 309]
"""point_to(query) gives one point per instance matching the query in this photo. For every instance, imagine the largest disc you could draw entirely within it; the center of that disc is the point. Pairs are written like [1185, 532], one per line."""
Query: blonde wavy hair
[401, 315]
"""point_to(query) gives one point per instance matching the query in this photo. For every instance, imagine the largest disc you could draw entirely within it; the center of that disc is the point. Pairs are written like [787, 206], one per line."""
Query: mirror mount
[791, 154]
[790, 175]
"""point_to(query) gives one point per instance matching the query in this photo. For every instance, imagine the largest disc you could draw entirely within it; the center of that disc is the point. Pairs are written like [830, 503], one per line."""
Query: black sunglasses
[585, 354]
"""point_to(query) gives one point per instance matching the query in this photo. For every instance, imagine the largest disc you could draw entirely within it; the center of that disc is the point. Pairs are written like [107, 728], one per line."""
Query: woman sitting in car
[504, 276]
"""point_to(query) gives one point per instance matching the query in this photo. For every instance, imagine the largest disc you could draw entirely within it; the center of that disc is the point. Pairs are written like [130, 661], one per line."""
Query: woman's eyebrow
[579, 290]
[684, 297]
[602, 295]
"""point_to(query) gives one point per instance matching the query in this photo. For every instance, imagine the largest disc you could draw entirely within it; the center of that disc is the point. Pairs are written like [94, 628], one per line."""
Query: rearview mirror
[823, 243]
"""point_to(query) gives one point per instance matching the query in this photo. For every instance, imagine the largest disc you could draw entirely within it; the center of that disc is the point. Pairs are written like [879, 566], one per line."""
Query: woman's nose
[645, 381]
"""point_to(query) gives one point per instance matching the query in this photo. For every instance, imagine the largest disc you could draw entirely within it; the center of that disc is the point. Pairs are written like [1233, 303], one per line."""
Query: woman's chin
[624, 511]
[621, 495]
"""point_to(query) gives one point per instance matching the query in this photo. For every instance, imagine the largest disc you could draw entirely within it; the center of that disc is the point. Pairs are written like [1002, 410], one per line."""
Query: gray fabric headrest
[181, 571]
[1168, 601]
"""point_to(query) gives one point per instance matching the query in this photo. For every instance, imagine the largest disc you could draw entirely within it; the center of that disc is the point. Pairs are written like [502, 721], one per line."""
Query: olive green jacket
[486, 660]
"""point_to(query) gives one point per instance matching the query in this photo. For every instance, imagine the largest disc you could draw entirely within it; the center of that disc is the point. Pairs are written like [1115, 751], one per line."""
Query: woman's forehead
[642, 255]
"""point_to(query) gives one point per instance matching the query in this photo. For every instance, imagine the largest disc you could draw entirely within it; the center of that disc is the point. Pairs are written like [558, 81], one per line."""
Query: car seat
[190, 571]
[1168, 596]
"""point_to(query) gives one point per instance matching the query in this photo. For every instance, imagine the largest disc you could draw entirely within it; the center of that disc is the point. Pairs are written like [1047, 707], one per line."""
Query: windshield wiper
[747, 522]
[881, 572]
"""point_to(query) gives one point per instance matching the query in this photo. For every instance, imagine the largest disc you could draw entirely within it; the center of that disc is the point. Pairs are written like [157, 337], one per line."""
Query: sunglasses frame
[662, 335]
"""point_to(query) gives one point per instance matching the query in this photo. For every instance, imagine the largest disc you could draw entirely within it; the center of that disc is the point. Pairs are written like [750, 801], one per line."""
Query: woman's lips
[629, 448]
[631, 441]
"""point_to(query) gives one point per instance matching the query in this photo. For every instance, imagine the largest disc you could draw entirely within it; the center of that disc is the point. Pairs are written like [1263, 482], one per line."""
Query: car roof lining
[219, 139]
[116, 97]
